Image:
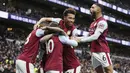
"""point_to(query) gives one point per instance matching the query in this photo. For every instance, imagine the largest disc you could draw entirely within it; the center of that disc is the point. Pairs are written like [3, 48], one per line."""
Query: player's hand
[76, 39]
[36, 26]
[44, 28]
[64, 33]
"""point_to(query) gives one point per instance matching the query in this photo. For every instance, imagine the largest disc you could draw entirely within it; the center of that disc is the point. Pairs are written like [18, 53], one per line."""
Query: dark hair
[99, 5]
[53, 24]
[44, 23]
[69, 10]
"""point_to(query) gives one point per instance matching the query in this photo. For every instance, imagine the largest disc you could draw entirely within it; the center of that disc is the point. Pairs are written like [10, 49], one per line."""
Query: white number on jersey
[49, 46]
[27, 39]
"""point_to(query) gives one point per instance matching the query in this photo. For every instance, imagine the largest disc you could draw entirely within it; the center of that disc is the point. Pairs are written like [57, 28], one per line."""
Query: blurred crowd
[120, 3]
[118, 36]
[22, 9]
[8, 53]
[121, 64]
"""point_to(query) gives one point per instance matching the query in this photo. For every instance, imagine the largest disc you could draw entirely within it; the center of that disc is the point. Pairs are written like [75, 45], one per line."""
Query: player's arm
[38, 23]
[101, 26]
[56, 29]
[40, 32]
[45, 38]
[43, 31]
[66, 40]
[48, 19]
[77, 32]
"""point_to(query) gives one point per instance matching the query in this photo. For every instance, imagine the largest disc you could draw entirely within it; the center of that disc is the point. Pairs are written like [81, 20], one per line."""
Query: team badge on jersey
[101, 26]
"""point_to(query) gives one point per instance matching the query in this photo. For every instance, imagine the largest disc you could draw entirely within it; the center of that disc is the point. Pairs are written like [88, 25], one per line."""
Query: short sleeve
[39, 32]
[101, 26]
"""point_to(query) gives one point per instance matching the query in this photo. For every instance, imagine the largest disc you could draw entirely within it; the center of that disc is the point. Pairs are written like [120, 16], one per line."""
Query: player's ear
[98, 9]
[65, 17]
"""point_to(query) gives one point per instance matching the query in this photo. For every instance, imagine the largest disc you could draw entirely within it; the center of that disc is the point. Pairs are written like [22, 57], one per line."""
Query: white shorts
[24, 67]
[49, 71]
[74, 70]
[53, 71]
[101, 58]
[41, 70]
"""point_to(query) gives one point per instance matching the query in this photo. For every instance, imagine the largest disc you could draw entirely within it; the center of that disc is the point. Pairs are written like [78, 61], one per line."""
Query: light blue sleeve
[66, 40]
[39, 32]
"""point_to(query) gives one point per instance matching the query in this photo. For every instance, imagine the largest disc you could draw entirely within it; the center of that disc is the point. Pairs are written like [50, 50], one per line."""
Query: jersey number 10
[49, 46]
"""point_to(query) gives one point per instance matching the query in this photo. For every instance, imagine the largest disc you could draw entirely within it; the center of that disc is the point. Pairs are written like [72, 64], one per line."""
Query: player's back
[53, 57]
[30, 49]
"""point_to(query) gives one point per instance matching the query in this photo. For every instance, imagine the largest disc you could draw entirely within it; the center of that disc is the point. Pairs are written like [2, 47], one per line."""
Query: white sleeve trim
[56, 20]
[39, 32]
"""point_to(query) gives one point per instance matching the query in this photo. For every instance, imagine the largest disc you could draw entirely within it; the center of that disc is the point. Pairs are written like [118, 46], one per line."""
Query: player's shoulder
[102, 22]
[35, 30]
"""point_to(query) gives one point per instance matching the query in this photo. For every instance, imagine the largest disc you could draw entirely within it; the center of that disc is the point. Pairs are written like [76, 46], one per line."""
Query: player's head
[53, 24]
[69, 16]
[42, 24]
[95, 10]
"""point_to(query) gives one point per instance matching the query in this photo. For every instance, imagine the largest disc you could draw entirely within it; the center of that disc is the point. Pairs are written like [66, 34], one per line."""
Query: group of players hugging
[53, 40]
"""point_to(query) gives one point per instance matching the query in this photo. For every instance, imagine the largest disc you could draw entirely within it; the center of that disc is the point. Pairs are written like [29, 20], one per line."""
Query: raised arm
[101, 26]
[48, 19]
[57, 29]
[45, 38]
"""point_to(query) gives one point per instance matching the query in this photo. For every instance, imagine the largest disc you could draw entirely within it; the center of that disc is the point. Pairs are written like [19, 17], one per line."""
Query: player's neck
[66, 25]
[98, 16]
